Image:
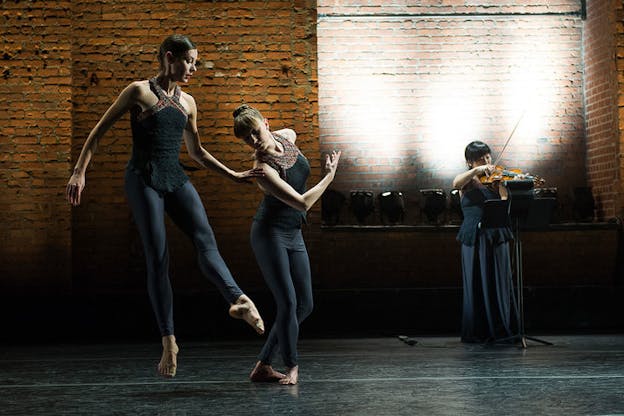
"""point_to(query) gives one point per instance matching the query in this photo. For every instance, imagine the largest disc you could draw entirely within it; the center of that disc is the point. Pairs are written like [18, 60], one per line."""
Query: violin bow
[500, 155]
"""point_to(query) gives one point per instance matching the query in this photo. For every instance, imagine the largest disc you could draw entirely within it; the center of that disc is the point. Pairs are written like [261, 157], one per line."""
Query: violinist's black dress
[486, 269]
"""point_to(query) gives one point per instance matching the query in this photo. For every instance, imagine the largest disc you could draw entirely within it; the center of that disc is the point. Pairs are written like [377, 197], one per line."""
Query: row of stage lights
[391, 204]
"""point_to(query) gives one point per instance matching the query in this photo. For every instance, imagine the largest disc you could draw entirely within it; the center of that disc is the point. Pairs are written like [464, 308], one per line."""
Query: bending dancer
[276, 236]
[161, 115]
[486, 265]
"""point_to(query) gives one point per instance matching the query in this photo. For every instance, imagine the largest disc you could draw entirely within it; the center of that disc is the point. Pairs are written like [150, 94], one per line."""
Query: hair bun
[240, 109]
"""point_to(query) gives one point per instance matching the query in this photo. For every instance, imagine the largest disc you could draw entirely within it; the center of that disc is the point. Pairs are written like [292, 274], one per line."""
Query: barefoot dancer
[276, 234]
[161, 115]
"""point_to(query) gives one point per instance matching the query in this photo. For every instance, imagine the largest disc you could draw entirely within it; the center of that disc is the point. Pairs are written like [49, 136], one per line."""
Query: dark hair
[245, 119]
[177, 45]
[476, 150]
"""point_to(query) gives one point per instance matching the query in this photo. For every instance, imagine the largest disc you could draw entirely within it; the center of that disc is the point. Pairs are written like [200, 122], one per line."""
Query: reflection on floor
[579, 375]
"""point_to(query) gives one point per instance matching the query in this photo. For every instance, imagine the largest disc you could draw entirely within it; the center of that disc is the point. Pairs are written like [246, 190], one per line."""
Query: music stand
[525, 212]
[496, 214]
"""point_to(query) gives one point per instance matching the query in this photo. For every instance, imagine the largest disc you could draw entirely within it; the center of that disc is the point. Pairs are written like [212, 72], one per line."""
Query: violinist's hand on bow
[484, 170]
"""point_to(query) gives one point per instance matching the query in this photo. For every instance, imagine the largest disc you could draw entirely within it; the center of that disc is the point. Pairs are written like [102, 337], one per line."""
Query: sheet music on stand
[496, 214]
[528, 212]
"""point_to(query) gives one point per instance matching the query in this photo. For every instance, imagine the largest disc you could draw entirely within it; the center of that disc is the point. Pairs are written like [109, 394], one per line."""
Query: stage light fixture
[362, 204]
[331, 206]
[435, 203]
[584, 204]
[548, 198]
[455, 204]
[546, 192]
[391, 207]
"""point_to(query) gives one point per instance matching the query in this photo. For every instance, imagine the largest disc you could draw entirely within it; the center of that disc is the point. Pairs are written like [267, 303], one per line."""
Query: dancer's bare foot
[245, 309]
[169, 361]
[265, 373]
[292, 376]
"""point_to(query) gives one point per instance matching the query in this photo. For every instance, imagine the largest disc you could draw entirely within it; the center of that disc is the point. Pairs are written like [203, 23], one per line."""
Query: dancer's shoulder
[288, 134]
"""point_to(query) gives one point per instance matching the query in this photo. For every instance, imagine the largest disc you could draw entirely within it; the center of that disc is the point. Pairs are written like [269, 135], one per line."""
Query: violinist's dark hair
[245, 119]
[177, 45]
[476, 150]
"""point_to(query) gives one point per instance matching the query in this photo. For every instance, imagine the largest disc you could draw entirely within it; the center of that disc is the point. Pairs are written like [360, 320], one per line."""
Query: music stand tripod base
[522, 210]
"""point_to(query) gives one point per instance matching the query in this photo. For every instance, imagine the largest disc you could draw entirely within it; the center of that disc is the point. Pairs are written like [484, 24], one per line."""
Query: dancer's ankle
[291, 376]
[168, 364]
[169, 343]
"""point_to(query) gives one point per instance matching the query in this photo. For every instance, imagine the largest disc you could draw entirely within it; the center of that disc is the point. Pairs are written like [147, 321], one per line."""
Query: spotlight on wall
[362, 204]
[391, 207]
[331, 206]
[455, 205]
[584, 204]
[435, 203]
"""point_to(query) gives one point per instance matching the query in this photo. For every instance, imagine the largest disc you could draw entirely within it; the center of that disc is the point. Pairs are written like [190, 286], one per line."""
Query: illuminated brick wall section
[436, 7]
[403, 89]
[601, 107]
[35, 137]
[262, 53]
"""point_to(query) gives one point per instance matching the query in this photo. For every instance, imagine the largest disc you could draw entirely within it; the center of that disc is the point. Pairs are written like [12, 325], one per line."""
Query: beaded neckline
[284, 160]
[163, 101]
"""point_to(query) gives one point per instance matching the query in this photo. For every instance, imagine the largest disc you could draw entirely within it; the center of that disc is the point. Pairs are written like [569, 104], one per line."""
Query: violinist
[486, 263]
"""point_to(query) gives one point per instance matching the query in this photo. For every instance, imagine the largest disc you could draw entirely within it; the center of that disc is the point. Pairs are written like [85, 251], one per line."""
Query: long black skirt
[488, 291]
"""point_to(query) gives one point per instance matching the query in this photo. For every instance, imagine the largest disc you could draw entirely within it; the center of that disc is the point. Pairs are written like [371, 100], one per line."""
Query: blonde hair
[245, 119]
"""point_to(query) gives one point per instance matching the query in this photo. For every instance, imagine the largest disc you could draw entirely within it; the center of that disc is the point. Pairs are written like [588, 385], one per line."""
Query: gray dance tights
[283, 259]
[185, 208]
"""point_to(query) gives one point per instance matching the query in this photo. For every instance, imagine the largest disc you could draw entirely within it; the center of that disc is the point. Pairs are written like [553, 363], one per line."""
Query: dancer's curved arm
[197, 152]
[273, 184]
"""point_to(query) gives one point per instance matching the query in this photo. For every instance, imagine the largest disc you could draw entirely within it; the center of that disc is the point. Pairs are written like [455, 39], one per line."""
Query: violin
[502, 174]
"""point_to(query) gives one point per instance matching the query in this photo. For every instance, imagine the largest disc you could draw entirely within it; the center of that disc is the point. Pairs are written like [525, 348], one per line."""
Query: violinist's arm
[464, 178]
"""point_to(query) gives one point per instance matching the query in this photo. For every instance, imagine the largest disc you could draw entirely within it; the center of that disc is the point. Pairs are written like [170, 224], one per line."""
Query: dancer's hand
[74, 189]
[248, 174]
[331, 162]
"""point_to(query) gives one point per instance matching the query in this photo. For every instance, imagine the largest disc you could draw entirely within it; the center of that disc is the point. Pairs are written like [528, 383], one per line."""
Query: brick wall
[262, 53]
[63, 65]
[601, 107]
[65, 62]
[619, 42]
[403, 89]
[35, 137]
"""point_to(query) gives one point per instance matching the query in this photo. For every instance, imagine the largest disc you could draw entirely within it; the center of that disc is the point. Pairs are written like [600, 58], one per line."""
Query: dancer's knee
[287, 308]
[158, 266]
[304, 310]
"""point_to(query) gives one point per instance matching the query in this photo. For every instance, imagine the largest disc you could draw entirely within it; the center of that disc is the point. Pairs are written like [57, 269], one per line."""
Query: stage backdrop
[402, 88]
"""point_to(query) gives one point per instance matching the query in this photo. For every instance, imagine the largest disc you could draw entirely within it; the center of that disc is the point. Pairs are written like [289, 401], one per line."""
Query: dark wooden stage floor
[579, 375]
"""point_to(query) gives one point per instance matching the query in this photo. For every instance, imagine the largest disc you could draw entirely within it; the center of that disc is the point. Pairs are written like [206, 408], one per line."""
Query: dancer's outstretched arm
[197, 152]
[123, 103]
